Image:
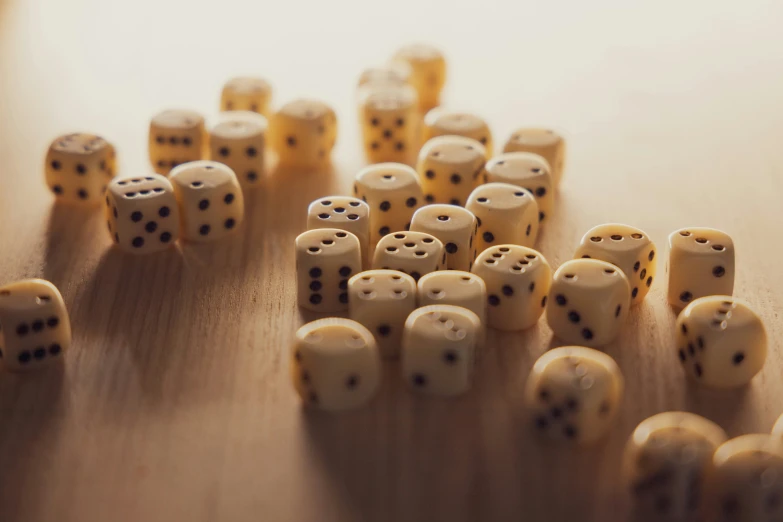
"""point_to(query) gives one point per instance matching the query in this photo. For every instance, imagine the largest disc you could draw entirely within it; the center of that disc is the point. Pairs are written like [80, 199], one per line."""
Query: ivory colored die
[79, 166]
[335, 364]
[518, 281]
[393, 194]
[325, 260]
[175, 137]
[506, 214]
[238, 141]
[34, 325]
[746, 483]
[456, 288]
[588, 302]
[343, 212]
[381, 300]
[246, 93]
[389, 119]
[449, 168]
[303, 133]
[455, 227]
[574, 394]
[666, 463]
[701, 263]
[544, 142]
[428, 72]
[527, 170]
[626, 247]
[440, 122]
[414, 253]
[142, 213]
[439, 349]
[721, 341]
[210, 200]
[392, 74]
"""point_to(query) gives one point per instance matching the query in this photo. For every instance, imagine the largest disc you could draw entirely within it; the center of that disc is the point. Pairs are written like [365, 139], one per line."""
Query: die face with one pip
[79, 166]
[343, 212]
[701, 263]
[34, 324]
[666, 463]
[381, 300]
[142, 213]
[518, 281]
[210, 200]
[414, 253]
[588, 302]
[175, 137]
[456, 288]
[438, 349]
[325, 259]
[238, 141]
[246, 93]
[574, 393]
[544, 142]
[335, 364]
[456, 229]
[628, 248]
[721, 342]
[389, 122]
[303, 133]
[439, 122]
[505, 214]
[428, 72]
[527, 170]
[449, 168]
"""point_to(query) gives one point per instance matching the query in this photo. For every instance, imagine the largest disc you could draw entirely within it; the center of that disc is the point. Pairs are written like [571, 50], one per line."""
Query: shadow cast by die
[74, 232]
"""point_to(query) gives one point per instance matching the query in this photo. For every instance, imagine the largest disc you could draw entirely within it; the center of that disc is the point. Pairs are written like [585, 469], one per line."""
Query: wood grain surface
[174, 402]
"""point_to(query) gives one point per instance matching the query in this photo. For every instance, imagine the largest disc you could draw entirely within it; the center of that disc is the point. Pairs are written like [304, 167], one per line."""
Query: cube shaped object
[440, 122]
[246, 93]
[456, 229]
[428, 72]
[79, 166]
[325, 259]
[701, 263]
[414, 253]
[343, 212]
[238, 141]
[303, 133]
[449, 168]
[389, 119]
[527, 170]
[544, 142]
[176, 136]
[506, 215]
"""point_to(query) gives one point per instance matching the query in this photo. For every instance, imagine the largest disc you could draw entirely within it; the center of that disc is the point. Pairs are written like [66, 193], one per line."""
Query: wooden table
[175, 403]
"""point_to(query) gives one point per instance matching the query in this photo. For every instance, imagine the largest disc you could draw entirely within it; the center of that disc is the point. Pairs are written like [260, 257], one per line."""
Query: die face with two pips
[335, 364]
[176, 137]
[428, 72]
[454, 226]
[238, 141]
[79, 166]
[389, 121]
[449, 168]
[303, 133]
[246, 93]
[325, 260]
[527, 170]
[721, 342]
[505, 214]
[573, 394]
[414, 253]
[345, 212]
[439, 122]
[34, 325]
[701, 263]
[544, 142]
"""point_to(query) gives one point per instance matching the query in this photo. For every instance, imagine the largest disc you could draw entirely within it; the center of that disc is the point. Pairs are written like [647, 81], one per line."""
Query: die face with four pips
[701, 263]
[238, 141]
[345, 212]
[389, 119]
[78, 167]
[544, 142]
[414, 253]
[505, 214]
[449, 168]
[527, 170]
[246, 93]
[303, 133]
[176, 137]
[456, 229]
[440, 122]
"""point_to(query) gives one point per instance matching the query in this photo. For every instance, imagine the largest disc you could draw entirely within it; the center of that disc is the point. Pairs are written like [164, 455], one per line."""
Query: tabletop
[174, 402]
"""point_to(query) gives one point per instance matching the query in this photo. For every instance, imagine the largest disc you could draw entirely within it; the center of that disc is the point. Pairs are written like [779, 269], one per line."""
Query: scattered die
[79, 166]
[414, 253]
[34, 324]
[210, 200]
[505, 214]
[343, 212]
[335, 364]
[456, 229]
[544, 142]
[701, 263]
[392, 74]
[527, 170]
[438, 349]
[246, 93]
[175, 137]
[439, 122]
[303, 133]
[325, 259]
[142, 213]
[518, 281]
[626, 247]
[381, 300]
[428, 72]
[588, 302]
[238, 141]
[721, 341]
[389, 120]
[449, 167]
[456, 288]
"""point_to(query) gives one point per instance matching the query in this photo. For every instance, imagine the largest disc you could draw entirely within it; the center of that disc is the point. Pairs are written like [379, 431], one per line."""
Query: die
[393, 193]
[721, 341]
[527, 170]
[142, 213]
[574, 393]
[778, 428]
[439, 122]
[389, 120]
[428, 72]
[449, 167]
[303, 133]
[79, 166]
[238, 141]
[626, 247]
[210, 200]
[438, 349]
[325, 260]
[701, 263]
[176, 136]
[505, 214]
[666, 463]
[343, 212]
[246, 93]
[588, 302]
[454, 226]
[34, 325]
[381, 300]
[335, 364]
[456, 288]
[746, 483]
[414, 253]
[396, 73]
[518, 281]
[544, 142]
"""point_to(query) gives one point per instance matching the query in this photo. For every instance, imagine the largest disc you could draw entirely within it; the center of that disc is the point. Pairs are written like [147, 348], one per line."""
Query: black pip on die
[79, 166]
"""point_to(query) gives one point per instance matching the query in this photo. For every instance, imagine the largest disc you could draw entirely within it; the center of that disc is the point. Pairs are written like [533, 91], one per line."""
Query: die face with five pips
[389, 119]
[701, 263]
[78, 167]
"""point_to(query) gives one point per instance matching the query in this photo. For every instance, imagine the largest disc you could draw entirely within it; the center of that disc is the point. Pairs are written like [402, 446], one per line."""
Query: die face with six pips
[176, 137]
[701, 263]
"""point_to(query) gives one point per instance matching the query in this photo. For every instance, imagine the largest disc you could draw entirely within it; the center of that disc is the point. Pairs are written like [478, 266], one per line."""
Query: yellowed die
[506, 215]
[303, 133]
[449, 168]
[440, 122]
[428, 72]
[175, 137]
[79, 166]
[246, 93]
[389, 122]
[527, 170]
[544, 142]
[701, 263]
[456, 229]
[238, 140]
